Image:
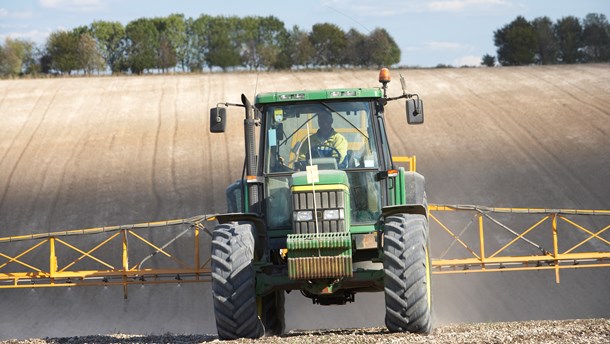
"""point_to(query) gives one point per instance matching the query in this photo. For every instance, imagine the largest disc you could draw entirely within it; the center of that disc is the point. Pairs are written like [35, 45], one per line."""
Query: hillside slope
[84, 152]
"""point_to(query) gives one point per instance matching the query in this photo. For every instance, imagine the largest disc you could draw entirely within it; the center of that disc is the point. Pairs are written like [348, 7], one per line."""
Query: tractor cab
[335, 137]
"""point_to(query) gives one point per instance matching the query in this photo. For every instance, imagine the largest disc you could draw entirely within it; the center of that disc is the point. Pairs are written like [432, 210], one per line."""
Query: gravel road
[565, 331]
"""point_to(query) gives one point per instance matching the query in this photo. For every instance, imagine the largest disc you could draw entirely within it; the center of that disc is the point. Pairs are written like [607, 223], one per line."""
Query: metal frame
[479, 260]
[411, 162]
[117, 269]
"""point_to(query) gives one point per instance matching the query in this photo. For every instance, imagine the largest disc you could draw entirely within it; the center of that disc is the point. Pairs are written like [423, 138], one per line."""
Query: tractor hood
[325, 177]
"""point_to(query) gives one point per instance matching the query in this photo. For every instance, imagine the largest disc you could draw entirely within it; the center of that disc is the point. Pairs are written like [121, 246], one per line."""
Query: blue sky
[429, 32]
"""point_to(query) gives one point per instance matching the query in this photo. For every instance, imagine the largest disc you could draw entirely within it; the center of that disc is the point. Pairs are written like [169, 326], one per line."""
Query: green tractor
[321, 208]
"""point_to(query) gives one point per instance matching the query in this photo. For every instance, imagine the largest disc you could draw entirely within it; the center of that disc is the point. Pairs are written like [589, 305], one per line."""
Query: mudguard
[415, 192]
[260, 229]
[410, 195]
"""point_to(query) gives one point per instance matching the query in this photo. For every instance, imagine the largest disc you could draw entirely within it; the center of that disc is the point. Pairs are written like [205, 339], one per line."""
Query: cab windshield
[332, 135]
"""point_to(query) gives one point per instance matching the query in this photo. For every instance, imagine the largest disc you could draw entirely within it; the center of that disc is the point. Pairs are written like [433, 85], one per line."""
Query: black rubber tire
[233, 282]
[272, 313]
[406, 266]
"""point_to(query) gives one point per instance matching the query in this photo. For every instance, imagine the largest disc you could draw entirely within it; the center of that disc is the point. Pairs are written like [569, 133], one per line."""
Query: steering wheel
[321, 151]
[326, 151]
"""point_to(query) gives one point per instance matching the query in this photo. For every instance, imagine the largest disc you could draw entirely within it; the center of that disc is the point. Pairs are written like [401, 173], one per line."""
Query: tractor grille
[327, 255]
[326, 202]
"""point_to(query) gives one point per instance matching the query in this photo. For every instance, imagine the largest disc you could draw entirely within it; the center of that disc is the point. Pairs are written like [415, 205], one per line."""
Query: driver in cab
[326, 142]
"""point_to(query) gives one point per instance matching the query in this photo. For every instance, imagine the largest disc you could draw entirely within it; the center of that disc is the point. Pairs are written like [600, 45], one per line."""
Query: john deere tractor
[322, 211]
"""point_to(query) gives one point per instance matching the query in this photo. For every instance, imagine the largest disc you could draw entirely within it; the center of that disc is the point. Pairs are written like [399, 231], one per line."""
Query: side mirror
[218, 119]
[415, 111]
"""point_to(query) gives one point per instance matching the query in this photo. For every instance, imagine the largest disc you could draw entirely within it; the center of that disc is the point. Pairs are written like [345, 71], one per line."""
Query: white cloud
[467, 60]
[35, 36]
[73, 5]
[434, 45]
[4, 13]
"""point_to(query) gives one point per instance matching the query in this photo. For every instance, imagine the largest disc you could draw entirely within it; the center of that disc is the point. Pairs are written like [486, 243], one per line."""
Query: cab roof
[334, 94]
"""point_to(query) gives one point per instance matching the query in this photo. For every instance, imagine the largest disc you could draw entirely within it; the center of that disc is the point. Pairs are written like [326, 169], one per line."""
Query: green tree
[89, 57]
[165, 51]
[142, 45]
[166, 54]
[285, 49]
[488, 60]
[249, 40]
[260, 39]
[175, 33]
[111, 41]
[222, 43]
[329, 44]
[596, 38]
[300, 49]
[268, 41]
[62, 49]
[197, 38]
[382, 48]
[172, 41]
[16, 57]
[273, 39]
[74, 50]
[569, 36]
[516, 43]
[357, 52]
[547, 42]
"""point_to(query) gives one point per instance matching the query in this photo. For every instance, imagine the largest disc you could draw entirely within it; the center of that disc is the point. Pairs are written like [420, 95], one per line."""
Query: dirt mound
[85, 152]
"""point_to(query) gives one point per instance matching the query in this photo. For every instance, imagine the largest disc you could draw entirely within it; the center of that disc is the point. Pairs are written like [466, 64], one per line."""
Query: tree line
[189, 45]
[542, 41]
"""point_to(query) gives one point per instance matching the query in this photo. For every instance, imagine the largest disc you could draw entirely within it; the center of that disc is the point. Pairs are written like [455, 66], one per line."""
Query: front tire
[406, 266]
[233, 282]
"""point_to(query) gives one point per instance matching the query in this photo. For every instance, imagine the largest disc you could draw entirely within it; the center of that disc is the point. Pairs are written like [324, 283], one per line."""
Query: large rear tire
[406, 266]
[233, 282]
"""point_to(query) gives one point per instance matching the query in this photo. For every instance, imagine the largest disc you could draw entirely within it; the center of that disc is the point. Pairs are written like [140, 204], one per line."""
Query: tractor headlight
[332, 214]
[304, 215]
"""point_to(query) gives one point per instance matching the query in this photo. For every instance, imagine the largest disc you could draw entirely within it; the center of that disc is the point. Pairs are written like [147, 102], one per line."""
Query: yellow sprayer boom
[495, 246]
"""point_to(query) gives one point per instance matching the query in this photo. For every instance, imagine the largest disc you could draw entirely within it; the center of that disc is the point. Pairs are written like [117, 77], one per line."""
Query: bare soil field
[87, 152]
